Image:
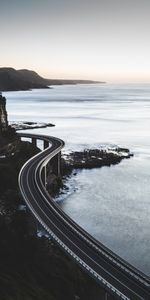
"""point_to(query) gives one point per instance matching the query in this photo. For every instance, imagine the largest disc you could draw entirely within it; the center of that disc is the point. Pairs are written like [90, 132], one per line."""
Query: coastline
[91, 115]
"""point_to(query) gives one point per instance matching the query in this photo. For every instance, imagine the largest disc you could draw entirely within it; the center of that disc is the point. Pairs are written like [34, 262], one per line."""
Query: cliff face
[3, 114]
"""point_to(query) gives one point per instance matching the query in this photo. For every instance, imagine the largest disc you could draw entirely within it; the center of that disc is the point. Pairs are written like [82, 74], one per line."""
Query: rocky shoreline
[94, 158]
[86, 159]
[23, 125]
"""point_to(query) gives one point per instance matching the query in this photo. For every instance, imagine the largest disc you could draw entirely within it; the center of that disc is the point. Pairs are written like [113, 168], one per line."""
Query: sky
[106, 40]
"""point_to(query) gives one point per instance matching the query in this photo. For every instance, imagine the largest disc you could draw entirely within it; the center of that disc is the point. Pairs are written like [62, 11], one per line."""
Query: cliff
[7, 133]
[3, 114]
[15, 80]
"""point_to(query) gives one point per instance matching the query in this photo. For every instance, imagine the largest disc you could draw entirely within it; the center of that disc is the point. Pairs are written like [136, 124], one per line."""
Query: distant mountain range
[16, 80]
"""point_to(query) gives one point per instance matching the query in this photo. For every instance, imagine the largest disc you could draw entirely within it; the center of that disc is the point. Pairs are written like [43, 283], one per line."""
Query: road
[113, 273]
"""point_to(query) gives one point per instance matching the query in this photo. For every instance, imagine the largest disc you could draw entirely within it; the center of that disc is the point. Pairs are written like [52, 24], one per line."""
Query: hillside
[15, 80]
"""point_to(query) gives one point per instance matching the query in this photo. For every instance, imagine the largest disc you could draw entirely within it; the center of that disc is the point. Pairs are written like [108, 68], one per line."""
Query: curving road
[110, 271]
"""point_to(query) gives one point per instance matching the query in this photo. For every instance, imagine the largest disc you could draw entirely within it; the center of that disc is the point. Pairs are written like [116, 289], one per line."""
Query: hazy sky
[97, 39]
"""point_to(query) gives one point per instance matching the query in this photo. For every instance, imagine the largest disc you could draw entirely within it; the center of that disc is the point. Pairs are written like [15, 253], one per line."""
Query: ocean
[111, 203]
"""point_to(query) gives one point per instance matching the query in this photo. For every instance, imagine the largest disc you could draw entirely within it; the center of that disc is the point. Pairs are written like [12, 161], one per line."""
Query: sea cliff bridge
[115, 275]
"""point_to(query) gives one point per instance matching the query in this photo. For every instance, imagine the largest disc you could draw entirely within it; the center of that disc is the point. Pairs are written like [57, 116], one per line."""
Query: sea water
[111, 203]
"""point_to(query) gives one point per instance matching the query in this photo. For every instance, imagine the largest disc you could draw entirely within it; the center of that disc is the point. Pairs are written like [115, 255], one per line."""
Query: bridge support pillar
[106, 296]
[46, 144]
[55, 163]
[44, 176]
[34, 142]
[59, 164]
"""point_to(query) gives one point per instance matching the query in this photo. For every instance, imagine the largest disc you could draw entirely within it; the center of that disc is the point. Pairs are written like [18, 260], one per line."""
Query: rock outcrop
[3, 114]
[93, 158]
[7, 134]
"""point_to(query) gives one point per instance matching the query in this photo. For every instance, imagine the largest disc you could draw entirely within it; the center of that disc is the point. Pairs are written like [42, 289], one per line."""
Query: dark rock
[29, 125]
[7, 134]
[93, 158]
[3, 114]
[54, 183]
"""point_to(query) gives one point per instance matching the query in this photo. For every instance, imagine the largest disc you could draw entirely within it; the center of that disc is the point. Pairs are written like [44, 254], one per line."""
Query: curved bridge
[115, 275]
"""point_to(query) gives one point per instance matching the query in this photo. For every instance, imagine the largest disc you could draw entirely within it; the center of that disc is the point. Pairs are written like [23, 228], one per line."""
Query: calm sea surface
[112, 203]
